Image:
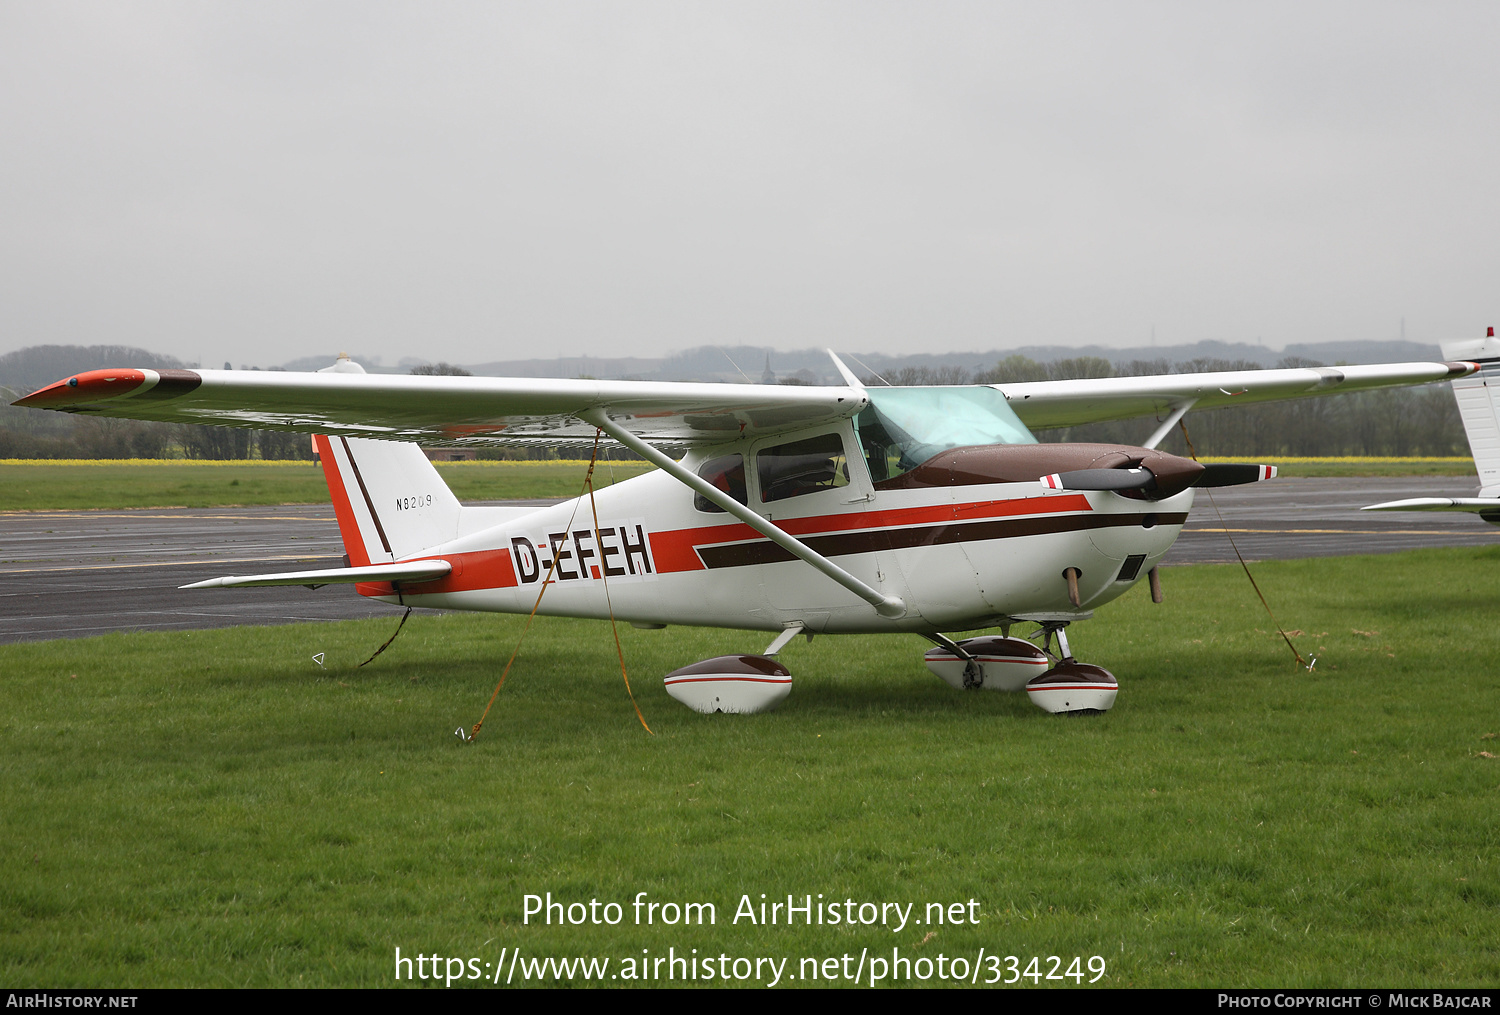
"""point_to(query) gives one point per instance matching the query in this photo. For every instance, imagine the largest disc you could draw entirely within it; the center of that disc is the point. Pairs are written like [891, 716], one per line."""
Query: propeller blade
[1234, 474]
[1100, 479]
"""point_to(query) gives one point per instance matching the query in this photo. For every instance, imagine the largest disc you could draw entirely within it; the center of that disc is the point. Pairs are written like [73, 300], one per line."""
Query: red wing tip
[1461, 368]
[85, 387]
[99, 385]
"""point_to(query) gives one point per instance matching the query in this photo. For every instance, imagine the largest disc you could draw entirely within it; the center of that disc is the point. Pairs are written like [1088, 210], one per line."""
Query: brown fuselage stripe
[871, 541]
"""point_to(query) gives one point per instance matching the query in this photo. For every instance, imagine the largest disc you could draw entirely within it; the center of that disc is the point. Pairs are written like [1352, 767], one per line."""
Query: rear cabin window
[802, 467]
[725, 473]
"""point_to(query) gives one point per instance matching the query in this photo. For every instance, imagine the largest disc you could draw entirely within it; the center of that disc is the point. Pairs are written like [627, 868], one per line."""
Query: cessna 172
[1479, 406]
[793, 510]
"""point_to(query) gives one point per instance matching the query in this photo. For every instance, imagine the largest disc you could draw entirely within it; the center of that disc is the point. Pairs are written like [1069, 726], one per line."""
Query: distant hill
[27, 369]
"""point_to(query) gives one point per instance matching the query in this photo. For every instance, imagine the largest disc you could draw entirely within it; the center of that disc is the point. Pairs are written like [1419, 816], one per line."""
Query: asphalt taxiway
[1288, 519]
[71, 574]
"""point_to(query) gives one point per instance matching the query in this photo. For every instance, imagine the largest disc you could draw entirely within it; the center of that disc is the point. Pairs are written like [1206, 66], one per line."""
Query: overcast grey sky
[471, 182]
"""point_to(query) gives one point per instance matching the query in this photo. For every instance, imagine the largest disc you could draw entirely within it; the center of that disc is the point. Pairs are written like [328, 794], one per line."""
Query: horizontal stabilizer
[413, 571]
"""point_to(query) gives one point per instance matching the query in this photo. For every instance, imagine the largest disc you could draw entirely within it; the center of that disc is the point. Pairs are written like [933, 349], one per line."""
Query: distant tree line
[30, 433]
[97, 437]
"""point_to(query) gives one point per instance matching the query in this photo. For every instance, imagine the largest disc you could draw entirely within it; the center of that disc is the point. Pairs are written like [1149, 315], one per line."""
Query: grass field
[52, 486]
[214, 808]
[55, 486]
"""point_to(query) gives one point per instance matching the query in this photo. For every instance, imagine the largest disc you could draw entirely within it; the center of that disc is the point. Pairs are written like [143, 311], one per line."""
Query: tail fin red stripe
[354, 544]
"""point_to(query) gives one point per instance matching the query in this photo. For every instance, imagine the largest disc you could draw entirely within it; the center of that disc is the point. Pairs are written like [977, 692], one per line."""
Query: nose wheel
[1070, 687]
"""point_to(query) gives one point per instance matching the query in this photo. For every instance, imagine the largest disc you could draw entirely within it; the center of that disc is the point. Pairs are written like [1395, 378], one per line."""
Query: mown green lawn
[48, 486]
[215, 808]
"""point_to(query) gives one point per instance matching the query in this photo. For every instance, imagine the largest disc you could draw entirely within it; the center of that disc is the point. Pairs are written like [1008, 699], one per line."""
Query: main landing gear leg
[1059, 628]
[1070, 687]
[987, 662]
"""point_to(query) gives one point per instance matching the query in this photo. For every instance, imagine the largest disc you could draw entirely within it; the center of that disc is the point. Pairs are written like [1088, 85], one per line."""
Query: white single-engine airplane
[1479, 406]
[926, 510]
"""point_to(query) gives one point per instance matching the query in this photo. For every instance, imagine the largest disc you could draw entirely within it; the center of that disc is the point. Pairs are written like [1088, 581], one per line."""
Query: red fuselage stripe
[478, 569]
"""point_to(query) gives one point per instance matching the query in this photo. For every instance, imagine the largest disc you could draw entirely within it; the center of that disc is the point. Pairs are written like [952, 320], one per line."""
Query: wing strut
[849, 375]
[1178, 411]
[887, 606]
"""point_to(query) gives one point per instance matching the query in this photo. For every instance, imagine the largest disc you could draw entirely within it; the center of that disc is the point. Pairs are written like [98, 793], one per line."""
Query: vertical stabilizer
[1479, 404]
[390, 501]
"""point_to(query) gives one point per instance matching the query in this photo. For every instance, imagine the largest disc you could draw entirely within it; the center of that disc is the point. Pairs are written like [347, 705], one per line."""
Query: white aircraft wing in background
[1478, 397]
[1476, 505]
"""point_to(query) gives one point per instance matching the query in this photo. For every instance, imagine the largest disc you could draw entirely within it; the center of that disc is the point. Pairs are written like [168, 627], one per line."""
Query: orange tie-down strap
[588, 485]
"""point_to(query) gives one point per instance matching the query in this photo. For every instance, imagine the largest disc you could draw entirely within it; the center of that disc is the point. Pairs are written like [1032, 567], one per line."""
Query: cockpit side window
[726, 473]
[802, 467]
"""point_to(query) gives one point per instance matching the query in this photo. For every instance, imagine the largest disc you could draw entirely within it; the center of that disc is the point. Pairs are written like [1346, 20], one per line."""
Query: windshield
[903, 427]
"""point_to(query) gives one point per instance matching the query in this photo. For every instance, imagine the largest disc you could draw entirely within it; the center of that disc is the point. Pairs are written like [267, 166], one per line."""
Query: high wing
[450, 411]
[1044, 405]
[479, 411]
